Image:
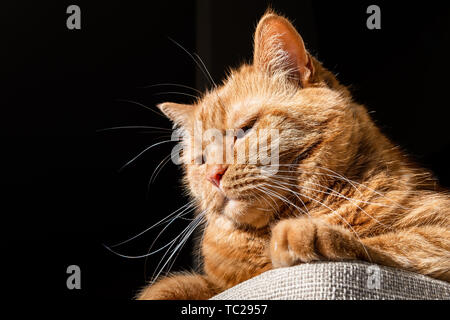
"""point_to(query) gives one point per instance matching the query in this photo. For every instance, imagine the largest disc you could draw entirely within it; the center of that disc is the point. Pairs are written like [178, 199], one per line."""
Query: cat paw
[302, 240]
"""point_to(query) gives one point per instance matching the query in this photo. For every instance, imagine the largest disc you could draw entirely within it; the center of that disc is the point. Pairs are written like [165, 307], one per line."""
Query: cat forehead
[242, 96]
[243, 109]
[230, 113]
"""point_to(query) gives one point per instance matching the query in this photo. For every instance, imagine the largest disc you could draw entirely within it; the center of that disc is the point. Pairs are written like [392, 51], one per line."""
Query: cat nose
[215, 174]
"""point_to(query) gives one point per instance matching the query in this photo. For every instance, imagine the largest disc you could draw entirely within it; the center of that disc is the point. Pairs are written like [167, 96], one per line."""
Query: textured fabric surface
[337, 281]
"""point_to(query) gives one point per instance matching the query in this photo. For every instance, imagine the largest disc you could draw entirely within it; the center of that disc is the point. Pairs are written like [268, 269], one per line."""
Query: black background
[62, 193]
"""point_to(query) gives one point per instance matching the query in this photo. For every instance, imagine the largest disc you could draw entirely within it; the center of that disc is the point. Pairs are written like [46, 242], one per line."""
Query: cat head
[249, 142]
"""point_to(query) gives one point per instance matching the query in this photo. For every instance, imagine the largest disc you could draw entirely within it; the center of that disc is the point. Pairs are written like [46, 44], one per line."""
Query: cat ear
[180, 114]
[279, 47]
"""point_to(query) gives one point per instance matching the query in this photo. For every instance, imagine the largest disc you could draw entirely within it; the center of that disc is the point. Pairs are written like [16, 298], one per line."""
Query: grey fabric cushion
[337, 280]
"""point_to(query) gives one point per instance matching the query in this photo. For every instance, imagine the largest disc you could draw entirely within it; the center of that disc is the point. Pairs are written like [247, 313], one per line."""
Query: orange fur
[342, 191]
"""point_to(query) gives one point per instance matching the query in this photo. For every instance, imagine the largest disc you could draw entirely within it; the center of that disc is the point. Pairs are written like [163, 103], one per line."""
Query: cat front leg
[301, 240]
[424, 249]
[185, 286]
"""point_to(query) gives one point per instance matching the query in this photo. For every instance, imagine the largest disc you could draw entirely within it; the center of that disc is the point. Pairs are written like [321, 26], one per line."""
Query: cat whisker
[195, 61]
[206, 69]
[202, 67]
[186, 233]
[301, 210]
[335, 174]
[134, 127]
[211, 80]
[275, 210]
[152, 252]
[341, 176]
[181, 214]
[183, 232]
[174, 85]
[142, 152]
[176, 92]
[341, 195]
[139, 256]
[282, 198]
[351, 182]
[202, 220]
[270, 193]
[259, 197]
[143, 106]
[182, 208]
[158, 169]
[185, 212]
[338, 194]
[304, 205]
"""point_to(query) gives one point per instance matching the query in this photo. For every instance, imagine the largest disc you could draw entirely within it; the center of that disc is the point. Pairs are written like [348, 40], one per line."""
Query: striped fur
[342, 190]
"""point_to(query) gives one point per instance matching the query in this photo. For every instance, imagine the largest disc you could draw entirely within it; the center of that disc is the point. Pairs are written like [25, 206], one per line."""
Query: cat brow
[249, 120]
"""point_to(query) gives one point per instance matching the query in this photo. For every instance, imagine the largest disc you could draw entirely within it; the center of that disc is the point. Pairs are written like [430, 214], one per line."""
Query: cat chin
[244, 214]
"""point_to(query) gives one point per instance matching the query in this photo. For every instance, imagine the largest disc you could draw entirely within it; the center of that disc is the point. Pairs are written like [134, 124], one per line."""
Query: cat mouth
[227, 198]
[242, 213]
[224, 200]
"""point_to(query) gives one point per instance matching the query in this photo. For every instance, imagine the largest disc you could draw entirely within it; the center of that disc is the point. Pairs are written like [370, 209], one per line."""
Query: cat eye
[246, 128]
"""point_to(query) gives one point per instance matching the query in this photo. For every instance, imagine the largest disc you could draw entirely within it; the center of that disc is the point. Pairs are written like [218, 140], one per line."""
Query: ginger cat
[341, 190]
